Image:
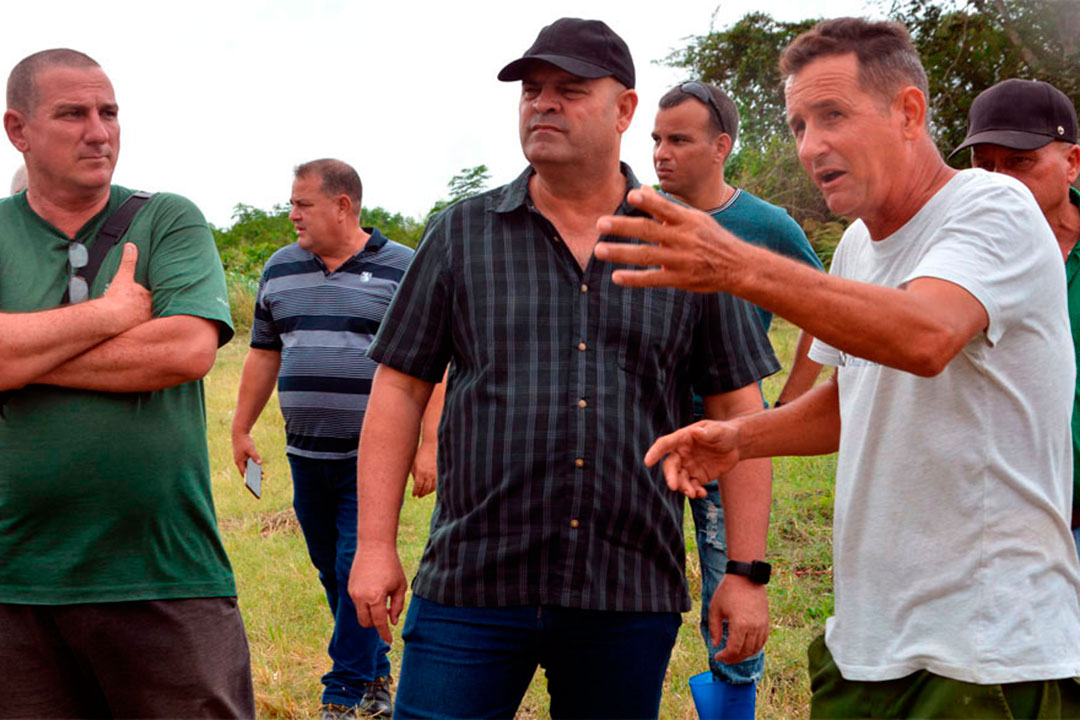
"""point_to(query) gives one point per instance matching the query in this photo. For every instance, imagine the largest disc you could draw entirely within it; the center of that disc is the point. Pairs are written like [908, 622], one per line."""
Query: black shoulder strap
[110, 233]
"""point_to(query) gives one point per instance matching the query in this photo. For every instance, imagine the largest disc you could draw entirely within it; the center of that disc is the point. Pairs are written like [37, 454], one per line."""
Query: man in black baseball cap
[586, 48]
[552, 544]
[1027, 129]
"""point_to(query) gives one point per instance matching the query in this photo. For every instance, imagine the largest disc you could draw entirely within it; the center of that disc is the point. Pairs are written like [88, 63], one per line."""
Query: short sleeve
[415, 336]
[264, 333]
[184, 273]
[992, 244]
[731, 350]
[820, 351]
[794, 244]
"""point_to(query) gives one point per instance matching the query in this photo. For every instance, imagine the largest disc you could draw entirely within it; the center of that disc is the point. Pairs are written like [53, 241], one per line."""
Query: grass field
[288, 622]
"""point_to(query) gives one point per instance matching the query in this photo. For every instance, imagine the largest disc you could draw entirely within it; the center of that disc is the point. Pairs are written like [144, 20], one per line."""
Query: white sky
[219, 100]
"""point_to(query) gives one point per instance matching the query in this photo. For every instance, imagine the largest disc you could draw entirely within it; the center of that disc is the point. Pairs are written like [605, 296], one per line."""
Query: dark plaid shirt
[560, 382]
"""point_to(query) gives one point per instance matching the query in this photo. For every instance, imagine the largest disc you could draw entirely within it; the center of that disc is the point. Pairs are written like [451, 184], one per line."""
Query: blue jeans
[478, 662]
[708, 513]
[324, 496]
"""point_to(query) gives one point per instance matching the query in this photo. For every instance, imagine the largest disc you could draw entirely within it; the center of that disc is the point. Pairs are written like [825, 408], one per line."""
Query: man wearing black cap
[551, 542]
[1027, 129]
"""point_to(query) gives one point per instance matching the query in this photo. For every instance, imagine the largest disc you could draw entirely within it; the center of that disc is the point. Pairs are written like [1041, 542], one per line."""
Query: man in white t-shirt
[956, 582]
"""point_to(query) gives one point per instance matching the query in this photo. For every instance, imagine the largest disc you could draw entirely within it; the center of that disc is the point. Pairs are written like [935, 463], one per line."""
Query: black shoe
[333, 711]
[376, 701]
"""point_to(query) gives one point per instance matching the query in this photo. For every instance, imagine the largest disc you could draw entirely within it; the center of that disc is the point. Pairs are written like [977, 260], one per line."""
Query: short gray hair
[22, 82]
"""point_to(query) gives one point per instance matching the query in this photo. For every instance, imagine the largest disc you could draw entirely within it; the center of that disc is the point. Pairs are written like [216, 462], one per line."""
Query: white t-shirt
[952, 550]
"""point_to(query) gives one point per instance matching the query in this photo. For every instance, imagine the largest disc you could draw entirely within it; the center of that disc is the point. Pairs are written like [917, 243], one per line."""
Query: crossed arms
[109, 344]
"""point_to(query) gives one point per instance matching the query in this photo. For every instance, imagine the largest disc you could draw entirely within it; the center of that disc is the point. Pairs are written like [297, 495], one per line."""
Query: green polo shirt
[1072, 264]
[106, 497]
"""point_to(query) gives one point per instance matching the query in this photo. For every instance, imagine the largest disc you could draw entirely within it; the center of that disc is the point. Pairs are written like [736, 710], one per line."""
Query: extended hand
[130, 302]
[745, 606]
[424, 469]
[688, 249]
[377, 588]
[696, 455]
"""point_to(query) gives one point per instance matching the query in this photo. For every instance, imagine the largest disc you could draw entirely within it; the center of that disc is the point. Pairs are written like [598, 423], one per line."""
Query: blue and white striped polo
[322, 323]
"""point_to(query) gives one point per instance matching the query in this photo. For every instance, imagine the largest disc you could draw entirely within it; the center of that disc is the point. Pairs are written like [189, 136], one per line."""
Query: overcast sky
[219, 100]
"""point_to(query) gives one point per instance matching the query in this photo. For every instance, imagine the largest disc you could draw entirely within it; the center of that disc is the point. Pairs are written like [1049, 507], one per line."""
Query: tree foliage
[469, 182]
[968, 45]
[403, 229]
[965, 45]
[256, 234]
[253, 237]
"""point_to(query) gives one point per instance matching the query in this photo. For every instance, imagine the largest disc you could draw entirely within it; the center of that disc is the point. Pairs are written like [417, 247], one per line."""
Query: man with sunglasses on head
[551, 543]
[116, 596]
[695, 128]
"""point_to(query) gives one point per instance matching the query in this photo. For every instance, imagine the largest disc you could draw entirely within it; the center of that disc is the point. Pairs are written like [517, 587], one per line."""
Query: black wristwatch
[756, 572]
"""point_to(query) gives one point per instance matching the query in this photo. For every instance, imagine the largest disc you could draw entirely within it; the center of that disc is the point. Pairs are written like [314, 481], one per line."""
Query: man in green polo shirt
[1027, 129]
[116, 596]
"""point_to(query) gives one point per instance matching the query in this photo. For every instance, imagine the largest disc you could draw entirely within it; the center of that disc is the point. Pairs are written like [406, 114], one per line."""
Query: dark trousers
[148, 659]
[926, 695]
[324, 497]
[478, 662]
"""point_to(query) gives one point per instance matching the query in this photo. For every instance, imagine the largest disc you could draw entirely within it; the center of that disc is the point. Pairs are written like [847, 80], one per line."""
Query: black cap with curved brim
[1021, 115]
[586, 48]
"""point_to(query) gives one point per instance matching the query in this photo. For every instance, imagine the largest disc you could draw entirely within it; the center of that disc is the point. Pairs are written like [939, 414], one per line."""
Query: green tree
[403, 229]
[965, 45]
[968, 45]
[256, 234]
[469, 182]
[252, 238]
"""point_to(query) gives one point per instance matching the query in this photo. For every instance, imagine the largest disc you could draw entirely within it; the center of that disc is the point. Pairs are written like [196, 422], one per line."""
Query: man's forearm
[388, 444]
[810, 425]
[747, 488]
[157, 354]
[895, 327]
[32, 344]
[804, 371]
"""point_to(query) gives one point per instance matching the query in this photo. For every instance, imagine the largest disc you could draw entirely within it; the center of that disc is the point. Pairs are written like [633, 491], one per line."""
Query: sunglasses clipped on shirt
[701, 92]
[78, 257]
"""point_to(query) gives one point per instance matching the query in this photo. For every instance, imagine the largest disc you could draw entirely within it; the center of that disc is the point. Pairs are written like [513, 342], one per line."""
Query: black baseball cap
[586, 48]
[1020, 114]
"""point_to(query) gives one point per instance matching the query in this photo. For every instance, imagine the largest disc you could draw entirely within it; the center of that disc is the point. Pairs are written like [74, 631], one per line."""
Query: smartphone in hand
[253, 478]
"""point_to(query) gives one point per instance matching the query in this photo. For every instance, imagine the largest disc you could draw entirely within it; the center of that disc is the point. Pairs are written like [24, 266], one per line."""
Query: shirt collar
[515, 194]
[376, 241]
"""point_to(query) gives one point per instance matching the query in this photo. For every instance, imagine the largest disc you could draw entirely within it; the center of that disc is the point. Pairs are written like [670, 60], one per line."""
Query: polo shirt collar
[376, 241]
[374, 244]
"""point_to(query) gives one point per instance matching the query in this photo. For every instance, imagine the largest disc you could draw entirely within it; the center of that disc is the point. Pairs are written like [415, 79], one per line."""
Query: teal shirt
[1072, 264]
[105, 497]
[768, 226]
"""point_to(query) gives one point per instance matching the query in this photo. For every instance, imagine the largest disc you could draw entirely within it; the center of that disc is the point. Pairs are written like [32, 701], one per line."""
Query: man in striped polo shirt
[320, 302]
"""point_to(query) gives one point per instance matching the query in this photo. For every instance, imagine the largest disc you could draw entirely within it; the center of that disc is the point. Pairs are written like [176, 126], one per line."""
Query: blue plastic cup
[718, 700]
